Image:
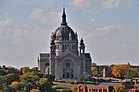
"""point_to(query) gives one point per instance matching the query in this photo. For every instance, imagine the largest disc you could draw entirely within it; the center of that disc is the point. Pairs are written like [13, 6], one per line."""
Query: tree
[24, 80]
[43, 81]
[12, 70]
[120, 70]
[94, 71]
[29, 77]
[2, 72]
[85, 78]
[6, 88]
[119, 88]
[50, 78]
[15, 84]
[25, 69]
[44, 85]
[136, 85]
[131, 73]
[11, 77]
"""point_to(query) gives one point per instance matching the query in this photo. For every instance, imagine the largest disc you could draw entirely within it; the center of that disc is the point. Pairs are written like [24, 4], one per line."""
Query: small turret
[82, 46]
[52, 45]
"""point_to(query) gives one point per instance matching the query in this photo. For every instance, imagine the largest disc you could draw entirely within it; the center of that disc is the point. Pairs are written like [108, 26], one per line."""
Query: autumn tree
[94, 71]
[136, 86]
[24, 80]
[120, 70]
[119, 88]
[25, 69]
[29, 77]
[15, 85]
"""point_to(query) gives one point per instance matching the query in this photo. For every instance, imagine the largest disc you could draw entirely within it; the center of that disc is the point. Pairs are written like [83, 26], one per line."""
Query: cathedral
[67, 58]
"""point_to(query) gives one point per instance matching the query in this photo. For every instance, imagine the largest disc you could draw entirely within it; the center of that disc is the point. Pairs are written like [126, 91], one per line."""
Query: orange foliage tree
[136, 85]
[120, 70]
[119, 88]
[15, 85]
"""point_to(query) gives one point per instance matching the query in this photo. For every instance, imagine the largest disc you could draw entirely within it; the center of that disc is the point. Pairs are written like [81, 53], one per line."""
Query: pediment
[68, 54]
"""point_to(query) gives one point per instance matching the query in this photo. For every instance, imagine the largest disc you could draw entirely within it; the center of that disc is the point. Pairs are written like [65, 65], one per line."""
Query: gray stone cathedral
[64, 60]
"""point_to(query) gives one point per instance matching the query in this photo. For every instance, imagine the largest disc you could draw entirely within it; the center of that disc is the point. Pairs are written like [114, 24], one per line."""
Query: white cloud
[109, 28]
[104, 31]
[19, 35]
[49, 2]
[111, 3]
[37, 14]
[80, 3]
[48, 18]
[6, 22]
[93, 20]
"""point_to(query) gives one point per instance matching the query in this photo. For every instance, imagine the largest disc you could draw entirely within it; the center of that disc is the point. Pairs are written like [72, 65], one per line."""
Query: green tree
[44, 85]
[2, 72]
[50, 78]
[29, 77]
[12, 70]
[11, 77]
[131, 73]
[6, 88]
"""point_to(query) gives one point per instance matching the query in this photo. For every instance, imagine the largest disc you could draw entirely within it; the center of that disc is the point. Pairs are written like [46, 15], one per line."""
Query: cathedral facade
[67, 59]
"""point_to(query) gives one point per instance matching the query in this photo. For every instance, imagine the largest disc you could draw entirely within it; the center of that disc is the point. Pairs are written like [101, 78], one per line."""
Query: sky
[110, 29]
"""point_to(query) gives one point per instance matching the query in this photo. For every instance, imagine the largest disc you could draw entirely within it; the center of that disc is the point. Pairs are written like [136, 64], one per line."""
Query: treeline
[125, 71]
[119, 71]
[24, 80]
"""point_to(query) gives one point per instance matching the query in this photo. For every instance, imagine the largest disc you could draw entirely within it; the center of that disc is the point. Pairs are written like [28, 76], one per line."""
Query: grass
[60, 86]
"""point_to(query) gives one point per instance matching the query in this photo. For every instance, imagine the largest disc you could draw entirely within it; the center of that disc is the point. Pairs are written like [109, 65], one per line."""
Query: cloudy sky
[110, 29]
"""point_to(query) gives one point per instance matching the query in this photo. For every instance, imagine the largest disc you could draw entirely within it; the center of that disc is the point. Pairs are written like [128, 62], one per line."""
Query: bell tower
[82, 46]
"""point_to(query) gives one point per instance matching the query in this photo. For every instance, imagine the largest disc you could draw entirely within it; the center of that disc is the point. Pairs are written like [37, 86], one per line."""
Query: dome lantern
[64, 18]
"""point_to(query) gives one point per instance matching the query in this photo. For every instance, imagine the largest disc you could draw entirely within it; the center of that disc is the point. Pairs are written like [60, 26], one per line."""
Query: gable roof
[68, 52]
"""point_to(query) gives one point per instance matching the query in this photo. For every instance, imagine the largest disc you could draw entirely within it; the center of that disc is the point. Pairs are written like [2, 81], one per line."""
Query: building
[67, 59]
[133, 90]
[102, 87]
[94, 88]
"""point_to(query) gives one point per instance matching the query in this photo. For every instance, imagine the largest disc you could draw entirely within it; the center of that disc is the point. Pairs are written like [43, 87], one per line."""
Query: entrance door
[67, 74]
[68, 69]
